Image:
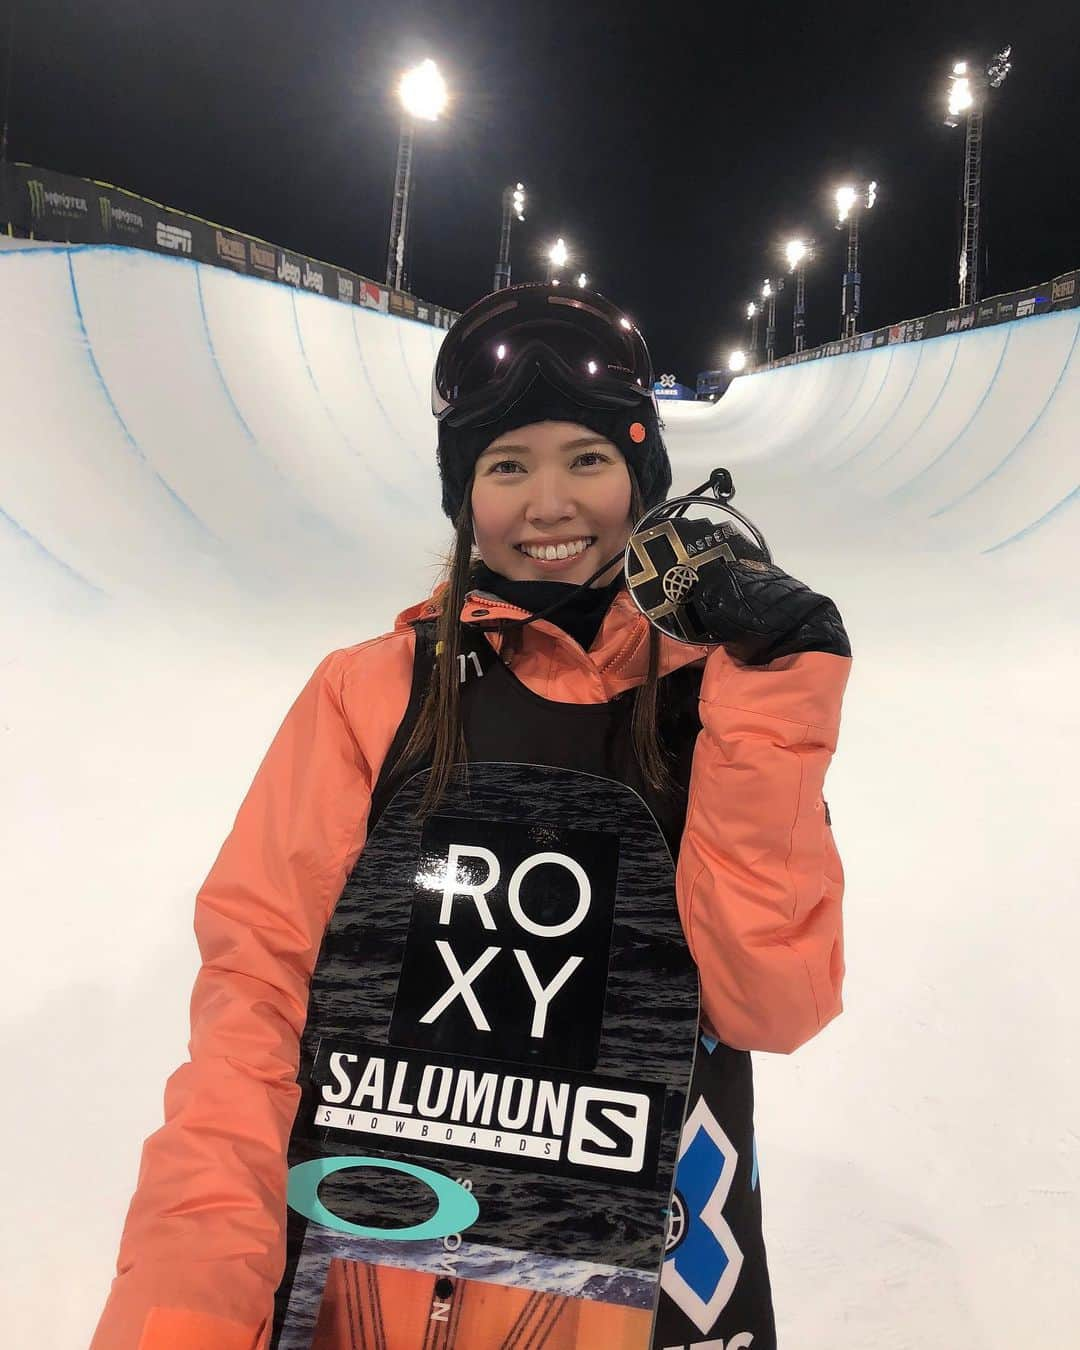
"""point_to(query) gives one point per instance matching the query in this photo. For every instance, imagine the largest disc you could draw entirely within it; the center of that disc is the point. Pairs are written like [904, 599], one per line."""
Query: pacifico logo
[230, 249]
[262, 258]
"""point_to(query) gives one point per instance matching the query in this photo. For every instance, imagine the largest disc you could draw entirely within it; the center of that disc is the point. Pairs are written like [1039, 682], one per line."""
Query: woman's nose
[550, 499]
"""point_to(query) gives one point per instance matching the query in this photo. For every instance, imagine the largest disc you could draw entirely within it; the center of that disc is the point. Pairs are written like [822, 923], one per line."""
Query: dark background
[675, 146]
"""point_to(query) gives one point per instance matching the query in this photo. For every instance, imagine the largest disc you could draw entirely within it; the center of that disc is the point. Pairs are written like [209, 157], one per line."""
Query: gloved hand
[759, 612]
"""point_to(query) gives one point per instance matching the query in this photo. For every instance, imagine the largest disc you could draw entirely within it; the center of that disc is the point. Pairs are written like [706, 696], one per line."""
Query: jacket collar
[620, 651]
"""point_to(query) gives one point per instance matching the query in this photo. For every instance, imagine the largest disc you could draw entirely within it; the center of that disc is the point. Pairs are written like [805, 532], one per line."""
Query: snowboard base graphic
[393, 1309]
[494, 1075]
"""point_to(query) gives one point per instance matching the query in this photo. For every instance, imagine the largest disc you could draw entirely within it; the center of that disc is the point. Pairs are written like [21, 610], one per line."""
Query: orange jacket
[759, 888]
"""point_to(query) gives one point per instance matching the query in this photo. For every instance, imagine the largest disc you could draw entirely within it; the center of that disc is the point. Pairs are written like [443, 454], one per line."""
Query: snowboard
[494, 1075]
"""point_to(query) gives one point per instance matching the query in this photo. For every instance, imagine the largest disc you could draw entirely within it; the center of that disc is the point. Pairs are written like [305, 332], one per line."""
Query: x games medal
[668, 550]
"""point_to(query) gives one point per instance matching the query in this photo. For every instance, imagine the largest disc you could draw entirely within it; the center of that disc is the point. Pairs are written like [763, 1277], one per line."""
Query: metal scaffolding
[399, 216]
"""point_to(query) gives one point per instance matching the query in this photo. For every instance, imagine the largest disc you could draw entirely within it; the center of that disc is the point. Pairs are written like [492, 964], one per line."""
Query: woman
[549, 450]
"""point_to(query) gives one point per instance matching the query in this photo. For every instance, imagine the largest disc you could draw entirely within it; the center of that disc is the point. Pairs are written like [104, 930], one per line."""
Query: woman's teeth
[554, 552]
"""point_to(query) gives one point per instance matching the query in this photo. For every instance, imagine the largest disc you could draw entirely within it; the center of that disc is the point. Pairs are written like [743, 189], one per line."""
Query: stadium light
[798, 252]
[513, 208]
[752, 312]
[769, 292]
[850, 204]
[423, 92]
[423, 97]
[582, 280]
[558, 256]
[736, 361]
[967, 93]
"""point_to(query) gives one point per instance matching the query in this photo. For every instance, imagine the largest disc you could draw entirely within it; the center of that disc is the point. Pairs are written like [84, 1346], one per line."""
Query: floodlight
[960, 98]
[751, 310]
[558, 254]
[583, 280]
[592, 367]
[736, 361]
[795, 250]
[845, 200]
[960, 68]
[423, 91]
[999, 67]
[766, 290]
[871, 195]
[518, 201]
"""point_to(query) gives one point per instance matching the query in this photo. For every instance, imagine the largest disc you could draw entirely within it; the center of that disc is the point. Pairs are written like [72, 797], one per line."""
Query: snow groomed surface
[207, 482]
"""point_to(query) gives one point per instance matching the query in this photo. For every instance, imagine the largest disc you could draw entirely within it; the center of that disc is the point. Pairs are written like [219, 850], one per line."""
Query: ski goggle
[580, 341]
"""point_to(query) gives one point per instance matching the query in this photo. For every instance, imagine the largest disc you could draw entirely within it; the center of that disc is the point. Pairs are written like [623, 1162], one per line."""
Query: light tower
[513, 208]
[422, 92]
[769, 292]
[753, 312]
[850, 204]
[967, 95]
[798, 252]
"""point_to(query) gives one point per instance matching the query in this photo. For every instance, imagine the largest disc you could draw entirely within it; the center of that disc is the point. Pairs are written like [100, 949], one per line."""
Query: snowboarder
[549, 449]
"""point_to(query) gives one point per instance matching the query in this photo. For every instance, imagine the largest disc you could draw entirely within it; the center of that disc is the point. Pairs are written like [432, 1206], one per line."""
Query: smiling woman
[551, 500]
[614, 820]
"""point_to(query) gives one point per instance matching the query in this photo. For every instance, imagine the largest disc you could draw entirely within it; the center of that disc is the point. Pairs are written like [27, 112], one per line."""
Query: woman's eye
[591, 458]
[505, 466]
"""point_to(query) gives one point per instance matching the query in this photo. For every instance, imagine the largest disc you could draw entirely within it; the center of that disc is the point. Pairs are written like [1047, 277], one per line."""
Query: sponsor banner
[372, 296]
[403, 304]
[1063, 291]
[960, 320]
[262, 259]
[1036, 300]
[230, 249]
[125, 219]
[935, 324]
[172, 237]
[38, 203]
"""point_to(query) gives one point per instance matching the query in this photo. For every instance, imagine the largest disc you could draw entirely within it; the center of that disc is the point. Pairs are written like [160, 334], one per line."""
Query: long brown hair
[438, 733]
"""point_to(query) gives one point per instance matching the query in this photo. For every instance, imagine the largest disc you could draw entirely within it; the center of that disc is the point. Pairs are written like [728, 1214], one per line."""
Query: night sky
[673, 145]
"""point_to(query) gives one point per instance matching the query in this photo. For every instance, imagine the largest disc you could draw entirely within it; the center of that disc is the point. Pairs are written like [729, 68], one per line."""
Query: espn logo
[609, 1129]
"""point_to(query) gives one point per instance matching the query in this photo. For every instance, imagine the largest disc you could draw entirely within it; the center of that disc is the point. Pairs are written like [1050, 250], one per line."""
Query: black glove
[758, 612]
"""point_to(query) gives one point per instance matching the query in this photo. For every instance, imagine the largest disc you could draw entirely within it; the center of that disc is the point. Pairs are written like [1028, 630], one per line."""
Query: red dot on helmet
[637, 432]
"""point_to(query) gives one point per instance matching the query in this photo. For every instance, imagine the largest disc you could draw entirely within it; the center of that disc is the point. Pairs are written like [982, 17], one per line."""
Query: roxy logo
[455, 888]
[507, 952]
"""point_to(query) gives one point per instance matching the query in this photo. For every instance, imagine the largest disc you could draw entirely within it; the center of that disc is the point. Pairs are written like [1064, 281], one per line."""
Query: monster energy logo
[60, 203]
[118, 216]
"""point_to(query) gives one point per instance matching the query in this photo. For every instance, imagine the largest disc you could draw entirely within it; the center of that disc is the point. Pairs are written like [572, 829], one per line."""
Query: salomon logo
[609, 1129]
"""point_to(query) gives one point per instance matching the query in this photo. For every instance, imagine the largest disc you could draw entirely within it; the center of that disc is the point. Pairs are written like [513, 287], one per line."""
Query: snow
[207, 482]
